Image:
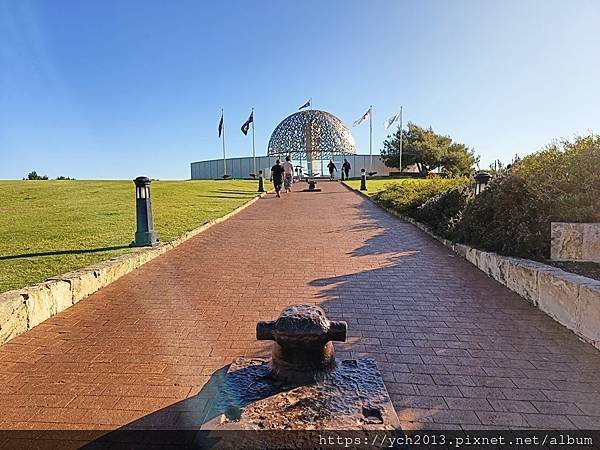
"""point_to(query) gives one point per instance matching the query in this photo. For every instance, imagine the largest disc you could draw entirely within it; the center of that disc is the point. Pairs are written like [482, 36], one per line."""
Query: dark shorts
[277, 181]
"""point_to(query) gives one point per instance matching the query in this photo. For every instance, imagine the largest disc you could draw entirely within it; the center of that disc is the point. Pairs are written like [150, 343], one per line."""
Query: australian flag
[247, 123]
[221, 125]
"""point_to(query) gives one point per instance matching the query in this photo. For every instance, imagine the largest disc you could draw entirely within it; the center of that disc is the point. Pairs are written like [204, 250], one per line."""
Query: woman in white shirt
[288, 177]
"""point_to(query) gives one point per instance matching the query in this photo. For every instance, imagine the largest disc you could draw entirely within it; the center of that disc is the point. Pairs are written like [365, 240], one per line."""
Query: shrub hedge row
[407, 195]
[512, 216]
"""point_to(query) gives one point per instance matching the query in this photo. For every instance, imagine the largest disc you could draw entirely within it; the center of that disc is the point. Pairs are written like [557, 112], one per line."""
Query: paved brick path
[456, 348]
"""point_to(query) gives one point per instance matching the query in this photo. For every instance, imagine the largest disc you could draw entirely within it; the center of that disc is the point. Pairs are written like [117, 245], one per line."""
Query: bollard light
[144, 235]
[261, 183]
[363, 180]
[481, 181]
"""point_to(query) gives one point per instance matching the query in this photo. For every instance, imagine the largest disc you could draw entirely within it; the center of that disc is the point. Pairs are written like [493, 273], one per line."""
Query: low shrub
[406, 195]
[512, 216]
[500, 218]
[443, 211]
[558, 184]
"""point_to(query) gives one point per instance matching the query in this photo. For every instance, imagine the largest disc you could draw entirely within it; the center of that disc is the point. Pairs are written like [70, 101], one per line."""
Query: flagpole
[253, 147]
[224, 160]
[371, 138]
[400, 155]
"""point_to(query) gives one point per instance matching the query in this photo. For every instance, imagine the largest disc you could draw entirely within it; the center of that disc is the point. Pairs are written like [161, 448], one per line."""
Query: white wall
[242, 167]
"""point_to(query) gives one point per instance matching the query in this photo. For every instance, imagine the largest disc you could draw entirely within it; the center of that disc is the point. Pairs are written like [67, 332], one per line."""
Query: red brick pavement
[456, 349]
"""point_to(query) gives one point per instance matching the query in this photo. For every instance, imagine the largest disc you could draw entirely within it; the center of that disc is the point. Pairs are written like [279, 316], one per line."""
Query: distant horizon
[188, 178]
[112, 89]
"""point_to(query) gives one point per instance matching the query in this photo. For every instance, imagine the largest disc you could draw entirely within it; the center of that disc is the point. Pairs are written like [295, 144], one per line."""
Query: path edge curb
[571, 300]
[23, 309]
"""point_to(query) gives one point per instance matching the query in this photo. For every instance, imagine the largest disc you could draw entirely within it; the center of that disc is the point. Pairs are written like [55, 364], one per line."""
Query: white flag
[388, 123]
[363, 118]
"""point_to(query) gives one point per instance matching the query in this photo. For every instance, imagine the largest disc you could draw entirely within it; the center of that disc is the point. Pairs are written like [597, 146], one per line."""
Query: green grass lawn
[51, 227]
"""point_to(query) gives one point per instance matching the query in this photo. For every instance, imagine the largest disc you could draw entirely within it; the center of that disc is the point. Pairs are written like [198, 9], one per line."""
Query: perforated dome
[313, 134]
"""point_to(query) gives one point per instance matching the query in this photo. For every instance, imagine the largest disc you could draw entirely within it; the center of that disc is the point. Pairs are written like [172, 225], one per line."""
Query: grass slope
[52, 227]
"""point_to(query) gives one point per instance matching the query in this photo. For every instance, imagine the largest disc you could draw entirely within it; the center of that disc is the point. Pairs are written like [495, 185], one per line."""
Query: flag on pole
[388, 123]
[363, 118]
[221, 124]
[247, 124]
[306, 105]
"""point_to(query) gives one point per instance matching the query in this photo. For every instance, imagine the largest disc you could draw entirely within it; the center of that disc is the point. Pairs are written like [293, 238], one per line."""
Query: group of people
[283, 174]
[345, 167]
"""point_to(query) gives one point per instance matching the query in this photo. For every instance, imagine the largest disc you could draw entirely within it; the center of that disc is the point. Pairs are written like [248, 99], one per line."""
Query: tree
[33, 175]
[429, 151]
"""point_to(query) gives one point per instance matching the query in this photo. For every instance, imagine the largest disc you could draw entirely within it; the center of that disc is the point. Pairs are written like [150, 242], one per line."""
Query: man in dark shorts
[277, 175]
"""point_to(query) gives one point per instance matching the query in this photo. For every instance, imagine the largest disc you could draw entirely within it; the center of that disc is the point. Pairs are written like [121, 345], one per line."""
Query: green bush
[500, 219]
[558, 184]
[512, 216]
[405, 196]
[34, 176]
[443, 211]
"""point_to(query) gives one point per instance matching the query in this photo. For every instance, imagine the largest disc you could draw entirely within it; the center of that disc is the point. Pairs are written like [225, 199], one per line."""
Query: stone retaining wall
[570, 299]
[23, 309]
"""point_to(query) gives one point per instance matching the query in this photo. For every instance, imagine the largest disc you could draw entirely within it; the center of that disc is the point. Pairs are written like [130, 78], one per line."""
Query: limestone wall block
[46, 299]
[591, 242]
[558, 295]
[522, 277]
[566, 241]
[575, 241]
[588, 317]
[496, 266]
[83, 283]
[461, 249]
[13, 315]
[472, 255]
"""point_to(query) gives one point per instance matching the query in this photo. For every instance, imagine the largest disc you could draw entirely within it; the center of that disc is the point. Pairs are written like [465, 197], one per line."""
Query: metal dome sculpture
[312, 135]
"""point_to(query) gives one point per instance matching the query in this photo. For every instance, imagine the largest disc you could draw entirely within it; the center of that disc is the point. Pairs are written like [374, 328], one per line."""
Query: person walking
[346, 168]
[331, 167]
[288, 170]
[277, 176]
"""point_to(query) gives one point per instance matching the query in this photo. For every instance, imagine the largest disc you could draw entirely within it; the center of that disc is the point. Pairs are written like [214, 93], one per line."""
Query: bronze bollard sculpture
[302, 386]
[303, 349]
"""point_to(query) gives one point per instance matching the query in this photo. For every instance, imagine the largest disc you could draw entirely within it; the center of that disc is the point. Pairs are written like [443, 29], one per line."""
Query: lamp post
[481, 181]
[145, 234]
[261, 183]
[363, 180]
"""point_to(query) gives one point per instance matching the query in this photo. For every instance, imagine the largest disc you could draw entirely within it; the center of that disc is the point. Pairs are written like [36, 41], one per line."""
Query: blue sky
[115, 89]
